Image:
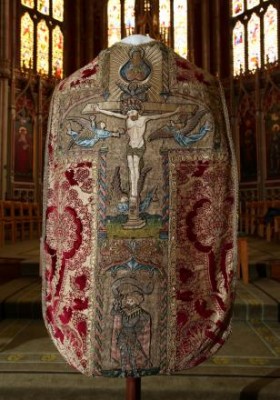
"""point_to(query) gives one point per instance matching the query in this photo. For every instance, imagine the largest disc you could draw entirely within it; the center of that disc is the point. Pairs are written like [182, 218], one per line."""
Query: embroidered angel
[184, 135]
[88, 134]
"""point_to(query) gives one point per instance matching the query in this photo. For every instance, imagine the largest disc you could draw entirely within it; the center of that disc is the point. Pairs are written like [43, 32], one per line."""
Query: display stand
[133, 388]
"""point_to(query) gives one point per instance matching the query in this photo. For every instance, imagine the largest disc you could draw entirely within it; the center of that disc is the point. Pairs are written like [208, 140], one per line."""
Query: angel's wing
[142, 177]
[113, 124]
[162, 133]
[116, 184]
[123, 87]
[81, 125]
[185, 116]
[192, 122]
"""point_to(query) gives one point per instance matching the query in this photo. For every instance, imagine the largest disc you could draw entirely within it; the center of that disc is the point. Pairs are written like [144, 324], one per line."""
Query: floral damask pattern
[204, 233]
[70, 238]
[87, 73]
[67, 247]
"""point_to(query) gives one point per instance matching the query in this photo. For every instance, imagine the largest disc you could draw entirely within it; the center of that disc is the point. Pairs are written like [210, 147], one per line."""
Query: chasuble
[139, 233]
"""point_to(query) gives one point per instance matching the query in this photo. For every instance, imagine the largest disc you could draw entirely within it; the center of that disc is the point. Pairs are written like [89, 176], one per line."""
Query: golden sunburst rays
[119, 56]
[152, 56]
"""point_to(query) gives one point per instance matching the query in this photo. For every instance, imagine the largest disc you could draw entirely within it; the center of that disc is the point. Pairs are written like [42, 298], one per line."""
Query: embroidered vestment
[139, 236]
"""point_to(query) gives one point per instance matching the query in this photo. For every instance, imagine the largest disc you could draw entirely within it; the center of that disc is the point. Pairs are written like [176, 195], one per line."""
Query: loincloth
[135, 151]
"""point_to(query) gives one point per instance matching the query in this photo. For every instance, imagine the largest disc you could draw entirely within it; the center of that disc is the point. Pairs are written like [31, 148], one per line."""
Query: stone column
[89, 42]
[5, 70]
[191, 28]
[38, 144]
[205, 35]
[123, 30]
[216, 38]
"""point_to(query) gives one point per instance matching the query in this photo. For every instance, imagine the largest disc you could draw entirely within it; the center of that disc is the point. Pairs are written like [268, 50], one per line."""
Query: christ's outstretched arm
[164, 115]
[110, 113]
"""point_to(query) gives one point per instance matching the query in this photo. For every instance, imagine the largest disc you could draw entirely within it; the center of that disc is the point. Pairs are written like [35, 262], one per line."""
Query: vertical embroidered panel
[201, 256]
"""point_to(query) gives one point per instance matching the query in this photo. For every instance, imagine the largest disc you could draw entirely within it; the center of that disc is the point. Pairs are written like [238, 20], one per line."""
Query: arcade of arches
[59, 37]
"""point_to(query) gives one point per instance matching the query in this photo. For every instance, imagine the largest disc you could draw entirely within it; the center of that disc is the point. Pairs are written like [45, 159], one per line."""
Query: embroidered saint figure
[132, 325]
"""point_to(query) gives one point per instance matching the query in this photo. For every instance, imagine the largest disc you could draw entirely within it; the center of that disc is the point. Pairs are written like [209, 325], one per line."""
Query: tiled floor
[260, 251]
[28, 250]
[247, 367]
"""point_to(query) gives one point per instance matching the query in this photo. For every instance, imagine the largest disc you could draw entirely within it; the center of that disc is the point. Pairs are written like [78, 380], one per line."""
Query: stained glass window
[164, 20]
[237, 7]
[180, 27]
[57, 56]
[114, 21]
[43, 47]
[43, 6]
[129, 16]
[254, 43]
[238, 48]
[254, 34]
[126, 8]
[41, 37]
[28, 3]
[27, 41]
[252, 3]
[57, 9]
[270, 37]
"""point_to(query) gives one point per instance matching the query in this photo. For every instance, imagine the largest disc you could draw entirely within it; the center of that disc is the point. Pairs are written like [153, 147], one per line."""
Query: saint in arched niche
[136, 68]
[23, 152]
[132, 323]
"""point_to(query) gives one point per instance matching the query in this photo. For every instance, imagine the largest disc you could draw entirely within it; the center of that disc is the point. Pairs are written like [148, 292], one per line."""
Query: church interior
[44, 41]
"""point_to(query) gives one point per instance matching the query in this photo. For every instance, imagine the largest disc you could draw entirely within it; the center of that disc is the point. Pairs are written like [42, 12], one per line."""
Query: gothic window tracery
[254, 48]
[129, 15]
[164, 19]
[255, 31]
[43, 6]
[180, 27]
[270, 39]
[43, 48]
[238, 39]
[28, 3]
[27, 41]
[114, 21]
[170, 16]
[41, 36]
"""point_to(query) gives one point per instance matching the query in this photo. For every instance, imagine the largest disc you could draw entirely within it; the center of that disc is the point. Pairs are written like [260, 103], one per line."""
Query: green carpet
[21, 298]
[252, 349]
[246, 368]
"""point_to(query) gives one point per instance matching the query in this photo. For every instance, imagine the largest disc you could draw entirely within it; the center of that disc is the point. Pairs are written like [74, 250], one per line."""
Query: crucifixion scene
[184, 129]
[170, 124]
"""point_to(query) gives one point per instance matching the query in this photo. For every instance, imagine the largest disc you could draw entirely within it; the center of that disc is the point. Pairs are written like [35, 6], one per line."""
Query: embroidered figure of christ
[135, 128]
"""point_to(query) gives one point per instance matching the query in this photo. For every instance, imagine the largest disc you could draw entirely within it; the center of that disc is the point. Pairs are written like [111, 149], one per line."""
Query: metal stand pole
[133, 388]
